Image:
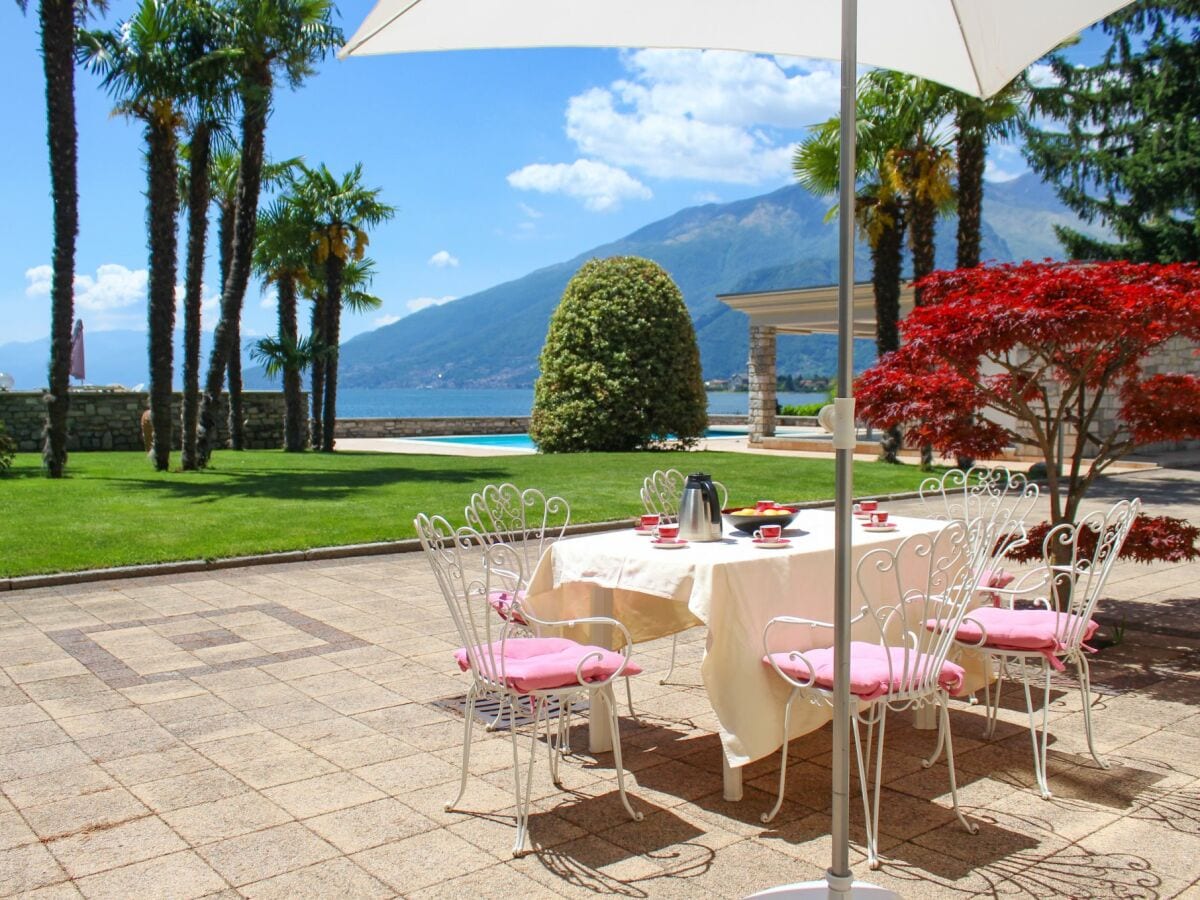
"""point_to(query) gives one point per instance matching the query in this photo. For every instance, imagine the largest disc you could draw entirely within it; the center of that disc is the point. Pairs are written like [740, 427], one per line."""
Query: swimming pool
[524, 442]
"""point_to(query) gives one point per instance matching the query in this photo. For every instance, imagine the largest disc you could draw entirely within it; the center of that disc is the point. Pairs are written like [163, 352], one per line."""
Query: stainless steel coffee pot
[699, 510]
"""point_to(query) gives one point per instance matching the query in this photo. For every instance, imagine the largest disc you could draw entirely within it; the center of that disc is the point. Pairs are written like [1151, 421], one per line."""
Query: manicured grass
[115, 510]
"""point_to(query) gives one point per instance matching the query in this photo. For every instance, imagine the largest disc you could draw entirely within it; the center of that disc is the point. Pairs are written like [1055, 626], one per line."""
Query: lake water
[382, 403]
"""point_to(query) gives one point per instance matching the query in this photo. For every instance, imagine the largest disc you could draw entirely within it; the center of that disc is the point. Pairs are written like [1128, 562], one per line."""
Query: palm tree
[269, 38]
[357, 275]
[281, 257]
[977, 121]
[341, 210]
[919, 163]
[207, 123]
[57, 20]
[150, 64]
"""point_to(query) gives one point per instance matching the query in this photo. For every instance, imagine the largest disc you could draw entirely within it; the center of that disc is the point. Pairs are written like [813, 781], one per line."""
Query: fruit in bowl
[748, 518]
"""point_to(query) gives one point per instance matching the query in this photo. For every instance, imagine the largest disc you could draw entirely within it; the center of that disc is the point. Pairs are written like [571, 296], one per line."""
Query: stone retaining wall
[413, 427]
[112, 420]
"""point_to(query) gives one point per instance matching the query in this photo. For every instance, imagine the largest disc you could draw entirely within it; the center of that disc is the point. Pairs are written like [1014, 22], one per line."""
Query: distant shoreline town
[803, 384]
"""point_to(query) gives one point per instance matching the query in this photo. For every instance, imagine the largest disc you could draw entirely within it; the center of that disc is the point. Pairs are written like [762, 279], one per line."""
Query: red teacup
[868, 505]
[765, 504]
[650, 520]
[769, 533]
[879, 517]
[668, 531]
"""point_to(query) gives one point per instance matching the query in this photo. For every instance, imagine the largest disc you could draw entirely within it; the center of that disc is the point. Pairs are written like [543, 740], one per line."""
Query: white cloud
[389, 319]
[529, 211]
[708, 115]
[1004, 163]
[706, 197]
[423, 302]
[115, 298]
[443, 259]
[601, 187]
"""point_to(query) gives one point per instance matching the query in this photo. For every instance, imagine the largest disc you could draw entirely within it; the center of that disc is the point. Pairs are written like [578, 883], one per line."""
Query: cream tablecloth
[732, 587]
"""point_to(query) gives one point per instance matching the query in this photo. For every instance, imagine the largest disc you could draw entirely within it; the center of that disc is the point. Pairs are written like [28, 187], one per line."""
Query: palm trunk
[225, 239]
[255, 103]
[237, 416]
[162, 214]
[58, 45]
[333, 321]
[293, 398]
[198, 198]
[318, 369]
[924, 218]
[971, 150]
[886, 254]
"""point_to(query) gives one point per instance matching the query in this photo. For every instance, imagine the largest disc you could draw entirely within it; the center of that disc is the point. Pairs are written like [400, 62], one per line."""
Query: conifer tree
[1122, 144]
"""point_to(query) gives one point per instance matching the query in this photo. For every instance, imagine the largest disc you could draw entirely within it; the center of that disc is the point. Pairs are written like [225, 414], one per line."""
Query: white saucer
[771, 545]
[644, 532]
[888, 527]
[671, 544]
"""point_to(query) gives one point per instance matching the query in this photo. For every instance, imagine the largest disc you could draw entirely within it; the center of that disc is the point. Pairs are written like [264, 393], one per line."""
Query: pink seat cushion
[502, 601]
[542, 664]
[994, 578]
[871, 676]
[1021, 629]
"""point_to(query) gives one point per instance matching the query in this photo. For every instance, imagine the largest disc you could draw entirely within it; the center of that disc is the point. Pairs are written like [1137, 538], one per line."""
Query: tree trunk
[225, 239]
[922, 227]
[237, 415]
[924, 218]
[162, 211]
[333, 326]
[886, 255]
[971, 150]
[293, 399]
[198, 198]
[58, 61]
[255, 104]
[318, 369]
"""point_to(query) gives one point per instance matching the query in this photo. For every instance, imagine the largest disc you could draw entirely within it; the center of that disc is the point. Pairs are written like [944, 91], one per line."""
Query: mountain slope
[774, 241]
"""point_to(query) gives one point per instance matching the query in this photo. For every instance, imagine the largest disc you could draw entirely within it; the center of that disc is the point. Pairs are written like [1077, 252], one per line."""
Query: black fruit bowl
[748, 524]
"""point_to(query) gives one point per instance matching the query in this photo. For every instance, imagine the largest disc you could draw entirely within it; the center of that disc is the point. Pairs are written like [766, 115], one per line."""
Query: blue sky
[498, 163]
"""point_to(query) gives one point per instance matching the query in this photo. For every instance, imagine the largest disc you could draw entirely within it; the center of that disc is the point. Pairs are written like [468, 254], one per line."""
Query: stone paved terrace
[275, 732]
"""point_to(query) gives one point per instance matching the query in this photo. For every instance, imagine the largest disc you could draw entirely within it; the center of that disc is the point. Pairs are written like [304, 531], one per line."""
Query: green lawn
[115, 510]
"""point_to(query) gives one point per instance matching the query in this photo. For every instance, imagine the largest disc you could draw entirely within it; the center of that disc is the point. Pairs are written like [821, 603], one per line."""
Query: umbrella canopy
[976, 46]
[77, 366]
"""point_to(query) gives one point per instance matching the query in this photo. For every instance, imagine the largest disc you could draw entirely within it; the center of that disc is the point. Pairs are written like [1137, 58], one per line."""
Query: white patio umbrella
[976, 46]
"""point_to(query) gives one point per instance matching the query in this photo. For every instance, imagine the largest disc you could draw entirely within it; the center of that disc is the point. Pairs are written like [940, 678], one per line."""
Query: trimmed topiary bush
[620, 369]
[8, 449]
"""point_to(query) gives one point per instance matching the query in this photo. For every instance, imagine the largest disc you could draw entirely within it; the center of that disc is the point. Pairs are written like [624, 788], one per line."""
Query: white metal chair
[528, 521]
[660, 494]
[523, 674]
[901, 665]
[1029, 644]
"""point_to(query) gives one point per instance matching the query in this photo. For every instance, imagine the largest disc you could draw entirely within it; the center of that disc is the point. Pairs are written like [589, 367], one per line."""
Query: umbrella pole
[839, 876]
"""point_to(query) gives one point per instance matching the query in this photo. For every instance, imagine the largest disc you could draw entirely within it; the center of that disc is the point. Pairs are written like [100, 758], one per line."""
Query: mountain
[771, 242]
[112, 357]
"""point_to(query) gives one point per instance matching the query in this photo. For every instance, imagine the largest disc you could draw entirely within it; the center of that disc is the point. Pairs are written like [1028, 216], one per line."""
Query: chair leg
[521, 845]
[553, 742]
[871, 809]
[469, 721]
[941, 742]
[611, 702]
[787, 721]
[1085, 687]
[944, 703]
[993, 700]
[1039, 746]
[629, 697]
[671, 668]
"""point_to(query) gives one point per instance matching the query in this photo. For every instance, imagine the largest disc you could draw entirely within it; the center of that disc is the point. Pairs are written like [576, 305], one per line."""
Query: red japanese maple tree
[1023, 354]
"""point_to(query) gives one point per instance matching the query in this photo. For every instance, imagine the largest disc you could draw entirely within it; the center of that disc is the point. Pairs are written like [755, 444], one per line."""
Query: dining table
[734, 587]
